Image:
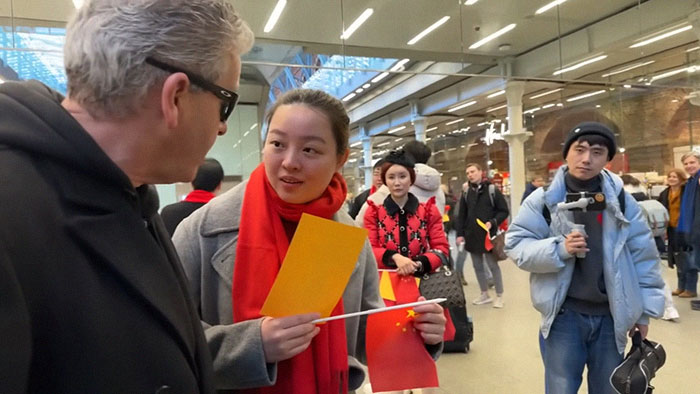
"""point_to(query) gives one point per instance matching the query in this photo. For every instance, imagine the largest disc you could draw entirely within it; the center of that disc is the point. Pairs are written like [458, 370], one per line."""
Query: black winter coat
[92, 295]
[477, 204]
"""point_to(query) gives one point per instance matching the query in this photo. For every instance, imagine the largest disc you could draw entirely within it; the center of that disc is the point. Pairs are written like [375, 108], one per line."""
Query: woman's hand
[285, 337]
[404, 265]
[430, 322]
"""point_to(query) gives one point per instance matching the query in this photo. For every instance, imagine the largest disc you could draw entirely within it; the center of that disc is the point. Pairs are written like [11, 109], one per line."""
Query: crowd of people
[96, 297]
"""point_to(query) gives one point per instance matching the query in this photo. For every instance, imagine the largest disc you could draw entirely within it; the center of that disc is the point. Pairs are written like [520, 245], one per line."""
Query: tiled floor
[505, 358]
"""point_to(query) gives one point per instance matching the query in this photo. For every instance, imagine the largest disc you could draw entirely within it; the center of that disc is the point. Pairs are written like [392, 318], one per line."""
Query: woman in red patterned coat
[405, 234]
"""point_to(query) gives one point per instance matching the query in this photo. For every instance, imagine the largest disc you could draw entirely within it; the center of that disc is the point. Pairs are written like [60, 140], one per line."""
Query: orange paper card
[318, 265]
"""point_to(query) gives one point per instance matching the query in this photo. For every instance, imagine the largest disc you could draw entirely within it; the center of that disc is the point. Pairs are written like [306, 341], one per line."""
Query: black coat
[357, 203]
[477, 204]
[92, 296]
[173, 214]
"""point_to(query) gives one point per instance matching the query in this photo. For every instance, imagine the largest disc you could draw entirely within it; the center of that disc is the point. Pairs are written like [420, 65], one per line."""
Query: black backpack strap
[621, 200]
[548, 216]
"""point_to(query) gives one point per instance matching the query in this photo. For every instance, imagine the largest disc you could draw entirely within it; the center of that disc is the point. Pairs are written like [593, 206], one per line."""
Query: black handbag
[634, 374]
[443, 283]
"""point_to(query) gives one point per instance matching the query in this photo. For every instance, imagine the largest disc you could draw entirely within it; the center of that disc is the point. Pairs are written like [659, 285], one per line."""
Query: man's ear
[174, 87]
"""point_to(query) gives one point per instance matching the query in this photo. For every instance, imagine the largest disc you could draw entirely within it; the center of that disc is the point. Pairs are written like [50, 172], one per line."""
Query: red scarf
[199, 196]
[262, 245]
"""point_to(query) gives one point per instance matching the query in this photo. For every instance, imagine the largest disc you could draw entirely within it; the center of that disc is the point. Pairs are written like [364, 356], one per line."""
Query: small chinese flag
[488, 245]
[403, 288]
[396, 355]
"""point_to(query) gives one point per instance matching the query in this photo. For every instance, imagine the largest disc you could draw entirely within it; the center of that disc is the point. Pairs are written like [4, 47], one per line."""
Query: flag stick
[377, 310]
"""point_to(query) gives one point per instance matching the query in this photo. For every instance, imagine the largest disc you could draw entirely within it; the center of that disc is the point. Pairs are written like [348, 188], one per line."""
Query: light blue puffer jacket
[630, 259]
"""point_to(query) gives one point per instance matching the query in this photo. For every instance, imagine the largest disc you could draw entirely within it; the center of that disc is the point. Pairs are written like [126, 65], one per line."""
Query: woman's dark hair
[320, 100]
[628, 179]
[398, 157]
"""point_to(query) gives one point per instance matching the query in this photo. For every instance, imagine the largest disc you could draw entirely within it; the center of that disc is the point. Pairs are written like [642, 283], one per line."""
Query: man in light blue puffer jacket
[591, 289]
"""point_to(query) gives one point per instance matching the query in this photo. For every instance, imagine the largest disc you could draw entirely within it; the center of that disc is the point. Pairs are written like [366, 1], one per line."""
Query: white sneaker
[670, 313]
[498, 303]
[484, 298]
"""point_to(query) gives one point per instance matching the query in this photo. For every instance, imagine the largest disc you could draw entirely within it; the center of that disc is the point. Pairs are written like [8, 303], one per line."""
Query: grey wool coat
[206, 242]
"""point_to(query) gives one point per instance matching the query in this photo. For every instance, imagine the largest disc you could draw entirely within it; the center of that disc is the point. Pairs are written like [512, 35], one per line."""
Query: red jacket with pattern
[414, 231]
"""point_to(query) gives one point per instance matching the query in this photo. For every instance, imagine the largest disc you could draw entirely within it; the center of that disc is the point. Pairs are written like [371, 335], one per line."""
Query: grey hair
[692, 153]
[107, 42]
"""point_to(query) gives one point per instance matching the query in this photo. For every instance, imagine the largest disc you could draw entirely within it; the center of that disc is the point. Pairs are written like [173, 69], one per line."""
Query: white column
[420, 124]
[417, 120]
[516, 138]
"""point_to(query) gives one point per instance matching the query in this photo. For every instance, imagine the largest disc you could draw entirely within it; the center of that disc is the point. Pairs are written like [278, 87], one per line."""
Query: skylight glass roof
[33, 53]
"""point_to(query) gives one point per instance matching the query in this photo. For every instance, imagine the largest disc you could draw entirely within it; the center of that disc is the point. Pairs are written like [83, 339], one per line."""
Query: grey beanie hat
[587, 128]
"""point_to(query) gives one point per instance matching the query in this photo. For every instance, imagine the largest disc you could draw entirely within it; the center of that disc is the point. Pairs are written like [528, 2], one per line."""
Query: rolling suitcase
[464, 331]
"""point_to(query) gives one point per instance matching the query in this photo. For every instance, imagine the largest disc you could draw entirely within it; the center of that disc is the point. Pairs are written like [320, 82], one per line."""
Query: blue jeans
[576, 340]
[688, 280]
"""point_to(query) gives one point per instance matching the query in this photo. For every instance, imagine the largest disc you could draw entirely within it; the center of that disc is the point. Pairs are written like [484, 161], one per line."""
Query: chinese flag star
[396, 355]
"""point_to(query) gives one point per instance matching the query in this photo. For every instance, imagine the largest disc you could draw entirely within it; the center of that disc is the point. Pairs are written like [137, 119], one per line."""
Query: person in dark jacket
[484, 202]
[670, 198]
[205, 184]
[359, 201]
[92, 294]
[689, 223]
[537, 181]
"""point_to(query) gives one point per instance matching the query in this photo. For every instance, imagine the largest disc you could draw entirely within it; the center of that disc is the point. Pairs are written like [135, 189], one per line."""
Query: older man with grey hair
[92, 296]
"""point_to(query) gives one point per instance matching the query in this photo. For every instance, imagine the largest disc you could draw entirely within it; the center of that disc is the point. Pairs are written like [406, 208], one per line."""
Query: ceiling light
[625, 69]
[253, 126]
[359, 90]
[627, 86]
[549, 6]
[532, 110]
[383, 144]
[454, 121]
[467, 104]
[399, 64]
[545, 93]
[451, 149]
[380, 77]
[550, 105]
[431, 129]
[579, 65]
[78, 4]
[672, 73]
[358, 143]
[583, 96]
[275, 16]
[349, 96]
[560, 105]
[2, 81]
[482, 124]
[662, 36]
[357, 23]
[470, 2]
[366, 86]
[496, 108]
[622, 150]
[428, 30]
[492, 95]
[392, 131]
[493, 36]
[692, 49]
